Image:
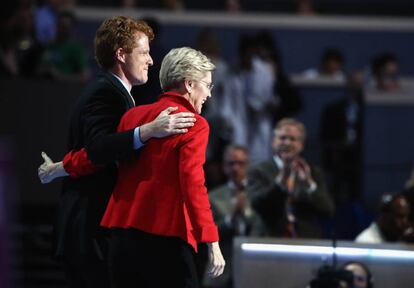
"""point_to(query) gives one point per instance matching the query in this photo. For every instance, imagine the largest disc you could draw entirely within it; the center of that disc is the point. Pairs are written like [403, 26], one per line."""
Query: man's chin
[286, 156]
[140, 81]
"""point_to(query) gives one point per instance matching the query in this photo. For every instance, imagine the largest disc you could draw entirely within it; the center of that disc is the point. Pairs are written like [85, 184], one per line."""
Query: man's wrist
[137, 138]
[145, 132]
[60, 170]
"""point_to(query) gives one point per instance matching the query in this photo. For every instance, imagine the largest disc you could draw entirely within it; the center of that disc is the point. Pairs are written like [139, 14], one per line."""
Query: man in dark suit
[286, 191]
[341, 138]
[122, 50]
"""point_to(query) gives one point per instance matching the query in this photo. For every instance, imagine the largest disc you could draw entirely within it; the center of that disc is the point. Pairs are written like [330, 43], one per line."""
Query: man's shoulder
[137, 110]
[264, 166]
[101, 89]
[219, 192]
[315, 169]
[370, 235]
[103, 83]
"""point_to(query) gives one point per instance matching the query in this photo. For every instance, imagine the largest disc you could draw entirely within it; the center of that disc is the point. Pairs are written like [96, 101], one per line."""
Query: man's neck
[238, 184]
[388, 236]
[120, 75]
[282, 161]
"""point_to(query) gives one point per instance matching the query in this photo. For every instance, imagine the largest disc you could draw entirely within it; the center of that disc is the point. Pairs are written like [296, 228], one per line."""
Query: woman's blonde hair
[183, 63]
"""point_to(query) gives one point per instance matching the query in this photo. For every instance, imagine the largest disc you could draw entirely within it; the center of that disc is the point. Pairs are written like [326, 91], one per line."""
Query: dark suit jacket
[342, 161]
[337, 154]
[268, 199]
[82, 201]
[221, 205]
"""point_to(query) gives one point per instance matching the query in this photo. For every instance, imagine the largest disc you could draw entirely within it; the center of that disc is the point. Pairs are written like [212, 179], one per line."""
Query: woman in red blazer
[159, 209]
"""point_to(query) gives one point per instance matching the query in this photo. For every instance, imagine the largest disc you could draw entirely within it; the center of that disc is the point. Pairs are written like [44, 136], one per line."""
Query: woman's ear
[188, 85]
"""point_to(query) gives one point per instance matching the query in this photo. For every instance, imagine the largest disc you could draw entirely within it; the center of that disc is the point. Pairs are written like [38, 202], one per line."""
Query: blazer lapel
[118, 85]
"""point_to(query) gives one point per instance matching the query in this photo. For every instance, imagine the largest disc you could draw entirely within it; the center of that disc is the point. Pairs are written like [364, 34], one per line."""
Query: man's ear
[120, 55]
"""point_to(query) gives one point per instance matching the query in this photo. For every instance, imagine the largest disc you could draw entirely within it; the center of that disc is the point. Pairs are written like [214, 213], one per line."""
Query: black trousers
[86, 270]
[139, 259]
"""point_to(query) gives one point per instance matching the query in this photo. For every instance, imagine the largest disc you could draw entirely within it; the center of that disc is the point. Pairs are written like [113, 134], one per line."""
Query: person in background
[305, 7]
[231, 208]
[362, 275]
[65, 59]
[20, 52]
[331, 66]
[392, 224]
[289, 195]
[130, 4]
[385, 72]
[233, 6]
[173, 5]
[159, 210]
[408, 193]
[248, 101]
[342, 139]
[341, 136]
[287, 96]
[46, 15]
[215, 109]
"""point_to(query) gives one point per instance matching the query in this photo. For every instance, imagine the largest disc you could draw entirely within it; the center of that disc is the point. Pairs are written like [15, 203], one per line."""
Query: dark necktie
[239, 220]
[290, 229]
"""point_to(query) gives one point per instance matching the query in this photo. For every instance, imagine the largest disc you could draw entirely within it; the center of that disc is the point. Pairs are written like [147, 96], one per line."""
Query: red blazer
[161, 190]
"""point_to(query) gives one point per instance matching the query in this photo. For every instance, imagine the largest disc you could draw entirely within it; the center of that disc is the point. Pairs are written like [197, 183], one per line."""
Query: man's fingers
[185, 115]
[169, 110]
[184, 120]
[42, 177]
[182, 125]
[44, 180]
[179, 131]
[46, 158]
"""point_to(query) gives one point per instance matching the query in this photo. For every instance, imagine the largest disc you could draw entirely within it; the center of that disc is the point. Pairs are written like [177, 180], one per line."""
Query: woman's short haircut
[118, 32]
[183, 63]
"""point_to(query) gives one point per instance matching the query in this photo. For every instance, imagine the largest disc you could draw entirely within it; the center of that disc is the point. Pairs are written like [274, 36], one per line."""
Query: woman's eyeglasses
[208, 85]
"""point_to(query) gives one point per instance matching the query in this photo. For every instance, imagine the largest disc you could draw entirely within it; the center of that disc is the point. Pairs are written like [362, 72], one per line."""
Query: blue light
[324, 250]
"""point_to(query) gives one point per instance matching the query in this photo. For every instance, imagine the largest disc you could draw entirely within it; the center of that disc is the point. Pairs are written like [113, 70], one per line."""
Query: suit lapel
[271, 169]
[118, 85]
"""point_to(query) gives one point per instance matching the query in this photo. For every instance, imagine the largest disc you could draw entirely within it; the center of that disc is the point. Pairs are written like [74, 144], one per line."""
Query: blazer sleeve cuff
[207, 234]
[77, 164]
